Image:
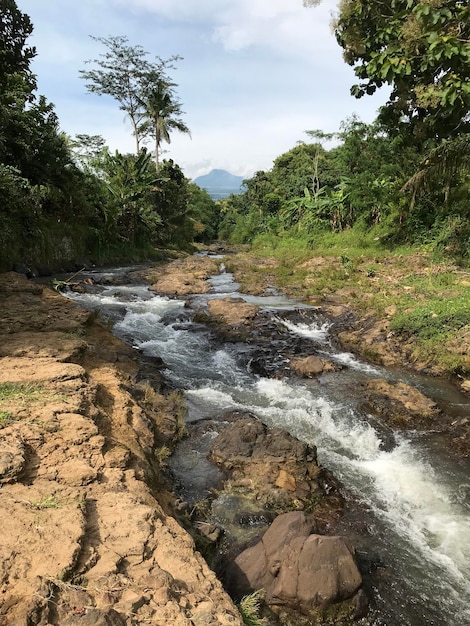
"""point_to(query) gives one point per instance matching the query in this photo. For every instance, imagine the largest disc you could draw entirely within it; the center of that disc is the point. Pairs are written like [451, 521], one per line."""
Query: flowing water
[416, 501]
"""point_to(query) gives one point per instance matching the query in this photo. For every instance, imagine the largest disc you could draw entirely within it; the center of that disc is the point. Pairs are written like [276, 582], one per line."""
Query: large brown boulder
[231, 310]
[296, 568]
[276, 467]
[184, 276]
[398, 404]
[274, 470]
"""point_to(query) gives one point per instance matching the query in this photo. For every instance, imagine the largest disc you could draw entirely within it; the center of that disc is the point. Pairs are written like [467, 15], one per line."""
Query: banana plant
[130, 181]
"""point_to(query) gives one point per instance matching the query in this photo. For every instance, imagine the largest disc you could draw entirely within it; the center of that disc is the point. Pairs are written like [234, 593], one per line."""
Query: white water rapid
[418, 500]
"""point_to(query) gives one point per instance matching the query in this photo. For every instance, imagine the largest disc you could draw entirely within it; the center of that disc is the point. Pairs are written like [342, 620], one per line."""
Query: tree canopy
[162, 111]
[419, 47]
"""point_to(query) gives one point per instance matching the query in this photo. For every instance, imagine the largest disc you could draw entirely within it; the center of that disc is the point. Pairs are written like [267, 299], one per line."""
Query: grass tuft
[20, 391]
[249, 608]
[5, 418]
[48, 502]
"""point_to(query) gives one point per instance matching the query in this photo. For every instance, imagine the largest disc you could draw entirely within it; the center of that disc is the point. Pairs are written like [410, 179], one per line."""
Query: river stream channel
[414, 499]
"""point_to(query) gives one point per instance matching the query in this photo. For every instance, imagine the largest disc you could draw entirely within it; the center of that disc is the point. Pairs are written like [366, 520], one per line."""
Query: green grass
[48, 502]
[18, 396]
[427, 301]
[11, 392]
[436, 317]
[5, 418]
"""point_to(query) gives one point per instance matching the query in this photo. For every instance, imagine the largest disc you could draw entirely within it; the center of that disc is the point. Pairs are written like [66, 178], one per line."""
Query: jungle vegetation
[66, 198]
[403, 179]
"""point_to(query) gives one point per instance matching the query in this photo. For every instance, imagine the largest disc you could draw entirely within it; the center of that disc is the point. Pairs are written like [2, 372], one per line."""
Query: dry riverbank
[86, 538]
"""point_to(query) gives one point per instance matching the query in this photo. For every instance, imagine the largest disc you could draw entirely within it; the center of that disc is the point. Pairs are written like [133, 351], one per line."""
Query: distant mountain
[219, 183]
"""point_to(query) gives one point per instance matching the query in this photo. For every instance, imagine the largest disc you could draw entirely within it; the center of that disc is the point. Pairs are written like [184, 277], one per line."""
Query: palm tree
[448, 162]
[163, 112]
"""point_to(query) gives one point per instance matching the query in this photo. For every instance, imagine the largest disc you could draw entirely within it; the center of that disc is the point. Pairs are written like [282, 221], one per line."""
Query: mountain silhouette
[219, 183]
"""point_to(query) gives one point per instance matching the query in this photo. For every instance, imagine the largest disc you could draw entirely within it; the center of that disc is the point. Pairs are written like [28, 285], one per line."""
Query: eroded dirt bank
[85, 537]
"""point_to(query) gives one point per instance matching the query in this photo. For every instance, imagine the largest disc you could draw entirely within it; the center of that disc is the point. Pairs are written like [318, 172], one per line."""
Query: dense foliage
[403, 178]
[370, 182]
[63, 199]
[406, 176]
[419, 47]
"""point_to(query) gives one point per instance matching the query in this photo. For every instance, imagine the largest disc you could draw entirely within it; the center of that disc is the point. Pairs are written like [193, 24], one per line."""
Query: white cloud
[238, 24]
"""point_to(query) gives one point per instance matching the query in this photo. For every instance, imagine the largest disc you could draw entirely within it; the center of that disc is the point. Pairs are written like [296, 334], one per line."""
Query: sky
[255, 74]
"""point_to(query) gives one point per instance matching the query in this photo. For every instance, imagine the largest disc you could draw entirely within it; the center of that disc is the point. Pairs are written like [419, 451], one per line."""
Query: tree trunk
[137, 138]
[157, 145]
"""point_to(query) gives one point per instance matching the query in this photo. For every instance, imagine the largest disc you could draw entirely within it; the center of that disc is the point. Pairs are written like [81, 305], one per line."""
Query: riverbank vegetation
[386, 203]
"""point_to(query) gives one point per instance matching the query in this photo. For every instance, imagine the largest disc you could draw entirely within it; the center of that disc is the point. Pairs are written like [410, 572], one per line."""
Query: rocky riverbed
[92, 531]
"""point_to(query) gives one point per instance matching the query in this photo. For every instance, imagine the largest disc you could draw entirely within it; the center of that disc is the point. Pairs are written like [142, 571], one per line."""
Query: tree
[131, 184]
[125, 74]
[419, 47]
[30, 140]
[15, 56]
[204, 213]
[448, 163]
[162, 111]
[171, 201]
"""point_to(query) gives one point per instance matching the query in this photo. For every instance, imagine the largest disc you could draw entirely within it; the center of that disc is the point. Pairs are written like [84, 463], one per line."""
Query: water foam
[314, 330]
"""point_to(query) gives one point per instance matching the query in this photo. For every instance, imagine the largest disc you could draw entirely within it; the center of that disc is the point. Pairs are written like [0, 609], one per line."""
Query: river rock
[398, 403]
[311, 366]
[232, 310]
[465, 386]
[296, 567]
[273, 469]
[184, 276]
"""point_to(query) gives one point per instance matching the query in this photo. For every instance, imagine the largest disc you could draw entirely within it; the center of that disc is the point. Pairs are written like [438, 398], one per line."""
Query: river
[416, 500]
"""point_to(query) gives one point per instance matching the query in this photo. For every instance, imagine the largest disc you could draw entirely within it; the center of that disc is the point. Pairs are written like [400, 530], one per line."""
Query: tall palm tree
[163, 113]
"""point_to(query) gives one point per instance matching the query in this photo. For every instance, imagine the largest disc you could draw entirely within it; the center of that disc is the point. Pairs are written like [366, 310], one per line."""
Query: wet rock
[209, 531]
[399, 404]
[296, 567]
[273, 470]
[250, 440]
[185, 276]
[372, 338]
[311, 366]
[232, 311]
[465, 386]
